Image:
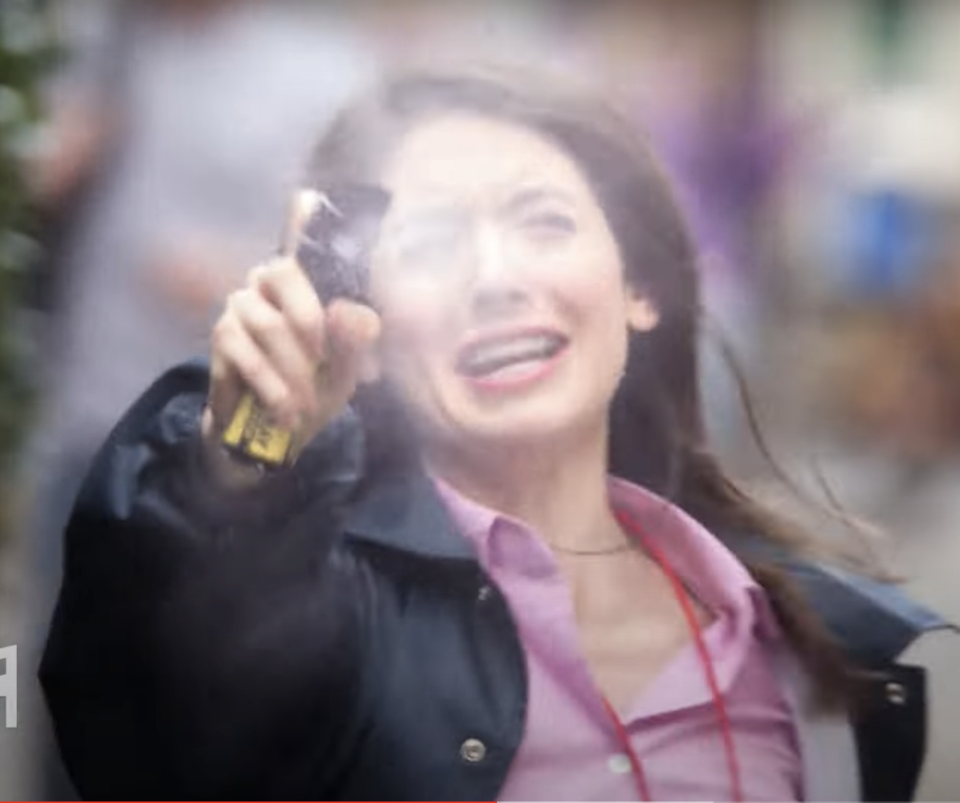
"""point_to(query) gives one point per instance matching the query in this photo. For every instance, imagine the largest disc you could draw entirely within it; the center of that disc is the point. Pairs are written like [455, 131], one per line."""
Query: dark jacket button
[484, 593]
[473, 751]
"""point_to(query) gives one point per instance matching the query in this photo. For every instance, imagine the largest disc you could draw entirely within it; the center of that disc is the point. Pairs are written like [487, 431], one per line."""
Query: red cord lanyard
[710, 675]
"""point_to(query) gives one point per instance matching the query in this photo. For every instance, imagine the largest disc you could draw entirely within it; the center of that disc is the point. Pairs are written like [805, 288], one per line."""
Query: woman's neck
[562, 495]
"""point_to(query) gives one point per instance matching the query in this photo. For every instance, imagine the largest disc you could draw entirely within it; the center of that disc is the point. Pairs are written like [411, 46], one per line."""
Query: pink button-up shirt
[570, 750]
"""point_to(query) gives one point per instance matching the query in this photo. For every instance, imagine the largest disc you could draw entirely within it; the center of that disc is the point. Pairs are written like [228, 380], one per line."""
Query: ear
[642, 313]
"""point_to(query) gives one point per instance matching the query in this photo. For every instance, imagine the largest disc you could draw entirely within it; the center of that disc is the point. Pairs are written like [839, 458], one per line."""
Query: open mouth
[501, 356]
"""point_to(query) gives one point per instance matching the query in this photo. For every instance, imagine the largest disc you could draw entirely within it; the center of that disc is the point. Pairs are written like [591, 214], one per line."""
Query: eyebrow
[448, 211]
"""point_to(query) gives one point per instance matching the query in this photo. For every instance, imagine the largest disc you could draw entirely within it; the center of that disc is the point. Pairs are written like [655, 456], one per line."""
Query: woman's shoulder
[875, 621]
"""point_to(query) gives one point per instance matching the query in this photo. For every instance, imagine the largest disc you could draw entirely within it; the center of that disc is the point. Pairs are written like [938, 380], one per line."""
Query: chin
[535, 427]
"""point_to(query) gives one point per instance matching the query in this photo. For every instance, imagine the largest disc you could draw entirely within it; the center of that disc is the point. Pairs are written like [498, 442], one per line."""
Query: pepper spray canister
[333, 248]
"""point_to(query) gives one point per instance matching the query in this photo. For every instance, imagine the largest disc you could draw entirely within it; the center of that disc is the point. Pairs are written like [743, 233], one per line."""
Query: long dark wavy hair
[657, 433]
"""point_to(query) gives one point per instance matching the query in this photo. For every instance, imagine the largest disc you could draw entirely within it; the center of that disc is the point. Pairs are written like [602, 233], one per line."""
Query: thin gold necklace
[626, 547]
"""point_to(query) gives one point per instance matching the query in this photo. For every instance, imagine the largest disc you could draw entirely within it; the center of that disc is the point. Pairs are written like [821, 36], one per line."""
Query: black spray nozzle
[335, 243]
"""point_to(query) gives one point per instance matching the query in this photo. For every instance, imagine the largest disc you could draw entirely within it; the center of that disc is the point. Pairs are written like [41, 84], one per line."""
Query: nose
[497, 284]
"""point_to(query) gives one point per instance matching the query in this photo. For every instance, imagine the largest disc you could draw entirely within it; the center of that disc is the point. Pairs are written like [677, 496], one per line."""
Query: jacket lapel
[403, 511]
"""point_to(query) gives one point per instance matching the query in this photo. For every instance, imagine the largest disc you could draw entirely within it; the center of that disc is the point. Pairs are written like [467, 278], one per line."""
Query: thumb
[353, 329]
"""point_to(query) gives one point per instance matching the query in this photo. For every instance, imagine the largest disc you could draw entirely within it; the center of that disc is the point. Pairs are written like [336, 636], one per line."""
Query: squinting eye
[426, 247]
[428, 240]
[551, 223]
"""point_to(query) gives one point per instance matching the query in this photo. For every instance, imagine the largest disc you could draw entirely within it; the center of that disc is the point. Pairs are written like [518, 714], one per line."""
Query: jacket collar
[874, 621]
[404, 511]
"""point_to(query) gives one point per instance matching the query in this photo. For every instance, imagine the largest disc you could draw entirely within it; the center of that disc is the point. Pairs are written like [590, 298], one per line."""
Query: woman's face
[502, 292]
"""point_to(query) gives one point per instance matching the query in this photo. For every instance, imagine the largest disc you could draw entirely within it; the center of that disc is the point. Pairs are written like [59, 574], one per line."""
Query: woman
[470, 585]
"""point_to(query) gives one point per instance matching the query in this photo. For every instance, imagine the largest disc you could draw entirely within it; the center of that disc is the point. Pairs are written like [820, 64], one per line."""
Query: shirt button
[896, 693]
[484, 593]
[619, 764]
[473, 751]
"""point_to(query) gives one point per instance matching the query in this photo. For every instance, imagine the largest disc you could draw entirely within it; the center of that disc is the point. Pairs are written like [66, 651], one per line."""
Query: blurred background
[148, 149]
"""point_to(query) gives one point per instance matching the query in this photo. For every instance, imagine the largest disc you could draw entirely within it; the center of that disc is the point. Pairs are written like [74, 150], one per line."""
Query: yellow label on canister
[250, 434]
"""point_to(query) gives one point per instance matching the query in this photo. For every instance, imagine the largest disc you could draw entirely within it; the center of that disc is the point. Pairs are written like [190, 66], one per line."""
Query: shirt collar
[704, 563]
[711, 570]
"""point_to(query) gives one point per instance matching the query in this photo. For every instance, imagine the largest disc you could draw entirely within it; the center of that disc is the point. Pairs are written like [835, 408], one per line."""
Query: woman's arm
[202, 634]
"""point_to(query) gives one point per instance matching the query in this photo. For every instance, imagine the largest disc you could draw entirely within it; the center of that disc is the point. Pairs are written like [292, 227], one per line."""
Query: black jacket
[330, 635]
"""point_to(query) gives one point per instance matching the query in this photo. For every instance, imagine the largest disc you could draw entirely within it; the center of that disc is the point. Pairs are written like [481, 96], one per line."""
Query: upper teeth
[494, 355]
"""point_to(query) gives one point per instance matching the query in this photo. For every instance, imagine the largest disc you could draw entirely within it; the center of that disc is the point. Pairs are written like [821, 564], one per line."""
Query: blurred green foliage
[27, 52]
[888, 30]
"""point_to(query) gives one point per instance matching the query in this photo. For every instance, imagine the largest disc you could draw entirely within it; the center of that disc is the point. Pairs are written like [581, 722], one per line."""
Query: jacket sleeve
[202, 638]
